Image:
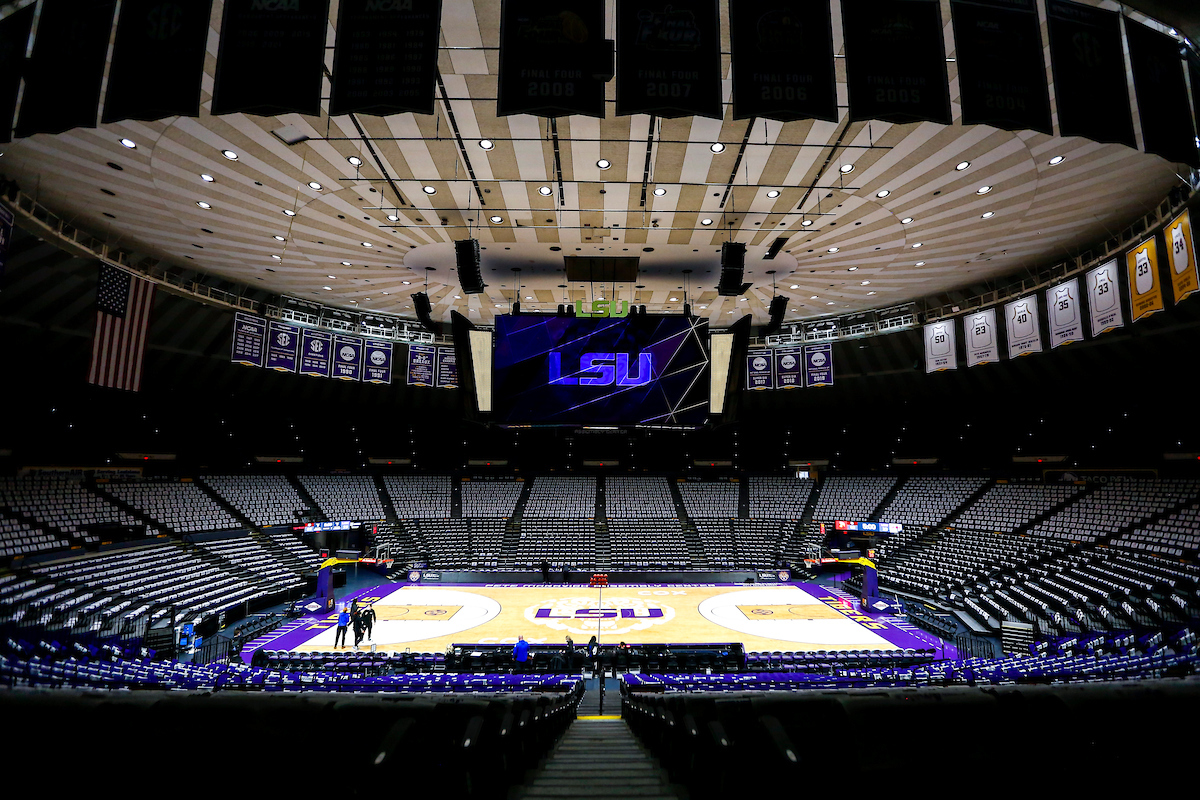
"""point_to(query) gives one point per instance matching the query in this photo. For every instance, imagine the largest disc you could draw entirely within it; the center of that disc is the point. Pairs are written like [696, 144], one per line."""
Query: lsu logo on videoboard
[582, 616]
[603, 308]
[603, 369]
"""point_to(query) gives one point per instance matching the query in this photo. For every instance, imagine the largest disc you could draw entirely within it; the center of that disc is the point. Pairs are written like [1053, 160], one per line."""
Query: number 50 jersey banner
[940, 350]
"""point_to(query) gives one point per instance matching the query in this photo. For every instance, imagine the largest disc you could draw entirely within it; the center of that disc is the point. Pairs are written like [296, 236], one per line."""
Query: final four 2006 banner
[284, 347]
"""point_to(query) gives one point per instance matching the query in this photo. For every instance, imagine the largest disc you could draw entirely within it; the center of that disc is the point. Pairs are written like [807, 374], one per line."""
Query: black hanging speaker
[778, 306]
[733, 263]
[423, 309]
[466, 255]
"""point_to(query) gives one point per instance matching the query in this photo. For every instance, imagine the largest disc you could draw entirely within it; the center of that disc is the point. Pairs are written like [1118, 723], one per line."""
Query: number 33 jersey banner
[940, 350]
[1104, 299]
[1145, 290]
[1184, 279]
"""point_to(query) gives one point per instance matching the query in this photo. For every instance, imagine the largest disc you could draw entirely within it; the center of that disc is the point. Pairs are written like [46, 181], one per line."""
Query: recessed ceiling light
[458, 297]
[327, 288]
[1057, 160]
[406, 283]
[920, 263]
[806, 223]
[278, 238]
[276, 257]
[499, 305]
[983, 190]
[673, 300]
[916, 245]
[203, 204]
[604, 163]
[289, 212]
[729, 312]
[130, 143]
[829, 303]
[906, 220]
[527, 297]
[496, 220]
[814, 297]
[960, 166]
[834, 249]
[866, 283]
[717, 147]
[393, 218]
[428, 190]
[314, 186]
[366, 244]
[773, 193]
[545, 191]
[659, 192]
[232, 156]
[204, 176]
[706, 221]
[345, 263]
[846, 169]
[871, 292]
[795, 286]
[883, 193]
[988, 214]
[486, 144]
[851, 269]
[355, 161]
[742, 299]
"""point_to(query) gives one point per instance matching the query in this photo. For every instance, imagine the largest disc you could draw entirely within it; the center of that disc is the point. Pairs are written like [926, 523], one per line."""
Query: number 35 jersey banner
[1065, 313]
[1104, 299]
[1184, 279]
[940, 350]
[1145, 289]
[1024, 333]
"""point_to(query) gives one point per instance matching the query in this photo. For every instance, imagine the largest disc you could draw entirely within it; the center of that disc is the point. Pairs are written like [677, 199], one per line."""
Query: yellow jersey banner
[1178, 234]
[1145, 289]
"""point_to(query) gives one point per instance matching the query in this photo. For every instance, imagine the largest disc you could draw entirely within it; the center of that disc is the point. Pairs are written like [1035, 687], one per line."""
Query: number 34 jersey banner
[940, 350]
[1184, 279]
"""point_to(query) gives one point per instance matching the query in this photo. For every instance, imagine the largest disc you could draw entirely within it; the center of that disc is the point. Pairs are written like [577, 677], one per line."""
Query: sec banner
[1184, 280]
[315, 351]
[818, 365]
[1021, 321]
[283, 347]
[1145, 289]
[759, 373]
[940, 350]
[983, 344]
[787, 368]
[1066, 317]
[1104, 299]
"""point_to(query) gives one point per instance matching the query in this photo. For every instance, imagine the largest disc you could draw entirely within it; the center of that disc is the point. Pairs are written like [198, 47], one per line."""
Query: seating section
[419, 495]
[716, 537]
[569, 543]
[709, 498]
[61, 503]
[345, 497]
[853, 497]
[247, 554]
[1174, 535]
[488, 498]
[181, 506]
[562, 497]
[19, 538]
[944, 561]
[1008, 506]
[647, 544]
[779, 498]
[265, 499]
[295, 545]
[1114, 506]
[487, 542]
[446, 543]
[929, 500]
[630, 497]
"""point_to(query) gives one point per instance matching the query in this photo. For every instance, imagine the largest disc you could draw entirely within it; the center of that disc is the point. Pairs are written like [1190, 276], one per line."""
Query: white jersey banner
[1065, 313]
[940, 351]
[1104, 299]
[983, 344]
[1021, 321]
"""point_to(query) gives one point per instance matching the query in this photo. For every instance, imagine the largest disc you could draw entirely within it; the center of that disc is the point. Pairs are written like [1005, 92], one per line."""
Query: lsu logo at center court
[582, 615]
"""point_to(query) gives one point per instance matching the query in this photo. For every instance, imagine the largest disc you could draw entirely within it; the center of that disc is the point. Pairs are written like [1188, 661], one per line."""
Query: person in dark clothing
[593, 654]
[566, 574]
[520, 654]
[368, 617]
[343, 620]
[545, 572]
[356, 619]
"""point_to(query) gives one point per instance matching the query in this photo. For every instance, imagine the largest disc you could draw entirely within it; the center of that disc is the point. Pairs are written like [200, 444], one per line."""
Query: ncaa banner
[283, 347]
[1065, 314]
[1145, 289]
[347, 357]
[316, 348]
[983, 344]
[1104, 299]
[447, 368]
[1184, 280]
[1021, 322]
[420, 364]
[249, 336]
[377, 361]
[818, 365]
[6, 226]
[940, 346]
[759, 374]
[787, 368]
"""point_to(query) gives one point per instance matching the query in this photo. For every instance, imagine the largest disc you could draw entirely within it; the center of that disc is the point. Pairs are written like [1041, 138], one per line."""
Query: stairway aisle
[598, 759]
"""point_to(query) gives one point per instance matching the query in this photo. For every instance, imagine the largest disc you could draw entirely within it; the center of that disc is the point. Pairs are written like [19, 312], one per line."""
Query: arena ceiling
[371, 235]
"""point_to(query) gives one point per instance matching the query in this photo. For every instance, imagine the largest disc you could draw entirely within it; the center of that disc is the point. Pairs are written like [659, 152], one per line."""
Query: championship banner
[377, 361]
[6, 226]
[759, 370]
[283, 346]
[316, 348]
[551, 52]
[818, 365]
[787, 368]
[782, 59]
[420, 364]
[1184, 279]
[1066, 315]
[669, 58]
[447, 368]
[249, 335]
[1145, 289]
[385, 57]
[940, 350]
[347, 357]
[983, 343]
[1104, 299]
[1021, 323]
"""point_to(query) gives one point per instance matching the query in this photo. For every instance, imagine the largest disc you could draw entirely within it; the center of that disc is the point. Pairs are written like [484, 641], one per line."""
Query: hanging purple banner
[421, 359]
[315, 347]
[377, 362]
[818, 365]
[447, 368]
[759, 375]
[347, 357]
[249, 333]
[6, 225]
[787, 369]
[283, 347]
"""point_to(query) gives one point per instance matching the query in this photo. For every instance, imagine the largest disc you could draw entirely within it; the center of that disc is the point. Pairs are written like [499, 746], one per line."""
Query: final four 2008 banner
[284, 347]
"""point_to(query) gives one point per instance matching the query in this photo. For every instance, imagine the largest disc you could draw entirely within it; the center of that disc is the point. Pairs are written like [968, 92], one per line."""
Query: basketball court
[764, 617]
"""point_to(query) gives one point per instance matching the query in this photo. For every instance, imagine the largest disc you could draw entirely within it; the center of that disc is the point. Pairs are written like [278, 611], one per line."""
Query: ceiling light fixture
[333, 277]
[866, 283]
[496, 220]
[327, 288]
[773, 193]
[130, 143]
[717, 147]
[545, 191]
[846, 169]
[834, 249]
[204, 176]
[795, 286]
[355, 161]
[486, 144]
[659, 192]
[604, 163]
[232, 156]
[428, 190]
[983, 190]
[814, 297]
[1057, 160]
[314, 186]
[289, 212]
[366, 244]
[871, 292]
[278, 238]
[906, 220]
[203, 204]
[393, 218]
[916, 245]
[988, 214]
[277, 257]
[851, 269]
[920, 263]
[345, 263]
[960, 166]
[706, 221]
[806, 223]
[882, 193]
[406, 283]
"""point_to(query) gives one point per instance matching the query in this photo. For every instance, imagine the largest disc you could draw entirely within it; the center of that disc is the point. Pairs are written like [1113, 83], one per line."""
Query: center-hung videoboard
[635, 370]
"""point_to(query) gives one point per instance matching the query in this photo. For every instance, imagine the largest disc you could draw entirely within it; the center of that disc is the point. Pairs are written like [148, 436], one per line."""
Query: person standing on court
[368, 616]
[356, 619]
[520, 654]
[343, 621]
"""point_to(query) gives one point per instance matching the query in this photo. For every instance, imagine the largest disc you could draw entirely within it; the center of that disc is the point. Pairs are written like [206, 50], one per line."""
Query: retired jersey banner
[983, 342]
[787, 368]
[347, 357]
[759, 370]
[447, 368]
[1145, 288]
[1104, 299]
[1021, 324]
[420, 364]
[283, 347]
[249, 335]
[940, 350]
[315, 350]
[1184, 280]
[818, 365]
[377, 361]
[1065, 313]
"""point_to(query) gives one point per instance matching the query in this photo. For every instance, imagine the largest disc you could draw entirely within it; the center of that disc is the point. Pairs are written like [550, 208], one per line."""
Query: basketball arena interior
[607, 398]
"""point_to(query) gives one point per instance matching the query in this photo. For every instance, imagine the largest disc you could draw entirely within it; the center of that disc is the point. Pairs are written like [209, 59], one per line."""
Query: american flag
[123, 305]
